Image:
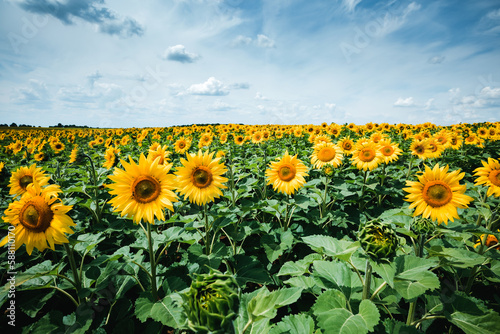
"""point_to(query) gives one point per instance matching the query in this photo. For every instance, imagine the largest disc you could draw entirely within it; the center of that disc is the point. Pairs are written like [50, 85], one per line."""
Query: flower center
[182, 145]
[145, 189]
[25, 180]
[494, 177]
[287, 172]
[201, 177]
[366, 155]
[433, 147]
[36, 215]
[387, 151]
[347, 146]
[326, 154]
[420, 149]
[437, 193]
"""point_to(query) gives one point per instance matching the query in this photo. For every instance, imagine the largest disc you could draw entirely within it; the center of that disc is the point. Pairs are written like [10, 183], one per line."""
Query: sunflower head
[437, 194]
[489, 240]
[287, 174]
[39, 218]
[378, 240]
[423, 226]
[142, 190]
[489, 175]
[200, 177]
[23, 176]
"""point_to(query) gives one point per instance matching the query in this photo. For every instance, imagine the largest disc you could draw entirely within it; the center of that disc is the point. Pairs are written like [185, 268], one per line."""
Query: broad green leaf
[386, 270]
[323, 244]
[411, 288]
[336, 275]
[460, 258]
[298, 267]
[397, 327]
[342, 321]
[143, 308]
[169, 312]
[409, 266]
[265, 304]
[294, 324]
[477, 324]
[31, 302]
[329, 300]
[275, 248]
[250, 269]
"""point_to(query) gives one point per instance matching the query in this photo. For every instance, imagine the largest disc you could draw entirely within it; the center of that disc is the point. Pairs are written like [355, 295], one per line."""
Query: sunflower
[74, 154]
[239, 140]
[205, 140]
[160, 151]
[257, 137]
[346, 144]
[287, 174]
[390, 151]
[142, 190]
[200, 178]
[366, 155]
[490, 240]
[326, 154]
[437, 194]
[111, 157]
[39, 156]
[489, 174]
[57, 146]
[420, 148]
[435, 148]
[182, 145]
[23, 176]
[39, 218]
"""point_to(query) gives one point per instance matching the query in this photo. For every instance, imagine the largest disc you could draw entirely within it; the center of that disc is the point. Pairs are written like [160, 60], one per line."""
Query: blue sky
[124, 63]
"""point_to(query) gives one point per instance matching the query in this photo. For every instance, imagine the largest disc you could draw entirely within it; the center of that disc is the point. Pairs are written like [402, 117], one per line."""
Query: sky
[158, 63]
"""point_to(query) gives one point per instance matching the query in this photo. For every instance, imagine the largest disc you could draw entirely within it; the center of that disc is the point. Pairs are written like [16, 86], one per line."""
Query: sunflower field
[304, 229]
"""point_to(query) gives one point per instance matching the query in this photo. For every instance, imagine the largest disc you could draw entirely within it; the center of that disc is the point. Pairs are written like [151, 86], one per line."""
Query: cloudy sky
[124, 63]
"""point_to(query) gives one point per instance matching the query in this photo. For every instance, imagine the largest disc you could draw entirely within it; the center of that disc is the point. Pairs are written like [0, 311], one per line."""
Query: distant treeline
[59, 125]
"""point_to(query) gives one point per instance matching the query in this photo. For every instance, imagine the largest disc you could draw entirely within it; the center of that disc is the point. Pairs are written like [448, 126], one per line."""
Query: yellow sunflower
[490, 240]
[346, 144]
[287, 174]
[39, 218]
[366, 155]
[159, 151]
[111, 157]
[326, 153]
[142, 190]
[489, 174]
[390, 151]
[420, 148]
[182, 145]
[200, 178]
[437, 194]
[239, 140]
[23, 176]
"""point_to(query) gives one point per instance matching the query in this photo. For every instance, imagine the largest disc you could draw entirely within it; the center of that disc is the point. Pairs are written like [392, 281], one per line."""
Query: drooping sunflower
[489, 175]
[200, 177]
[366, 156]
[437, 194]
[111, 157]
[74, 155]
[326, 154]
[142, 190]
[40, 219]
[287, 174]
[23, 176]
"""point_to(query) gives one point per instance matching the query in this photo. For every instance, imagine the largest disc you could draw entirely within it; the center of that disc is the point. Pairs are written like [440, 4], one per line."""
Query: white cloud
[212, 87]
[262, 41]
[35, 92]
[489, 92]
[265, 42]
[408, 102]
[179, 53]
[240, 85]
[350, 5]
[429, 104]
[436, 60]
[393, 22]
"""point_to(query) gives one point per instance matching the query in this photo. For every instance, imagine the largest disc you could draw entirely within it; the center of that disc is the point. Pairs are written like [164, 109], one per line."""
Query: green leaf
[336, 275]
[275, 248]
[31, 302]
[460, 258]
[250, 269]
[411, 288]
[298, 267]
[294, 324]
[477, 324]
[333, 317]
[386, 270]
[397, 327]
[143, 308]
[169, 312]
[323, 244]
[265, 304]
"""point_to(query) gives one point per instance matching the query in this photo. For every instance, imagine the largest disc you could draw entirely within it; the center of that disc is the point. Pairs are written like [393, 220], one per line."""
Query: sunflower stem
[323, 205]
[154, 289]
[473, 273]
[361, 202]
[419, 251]
[207, 230]
[382, 179]
[72, 263]
[368, 279]
[97, 213]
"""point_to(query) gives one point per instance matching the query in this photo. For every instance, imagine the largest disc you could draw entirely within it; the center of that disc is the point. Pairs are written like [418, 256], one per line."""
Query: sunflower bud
[212, 302]
[423, 226]
[378, 240]
[328, 170]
